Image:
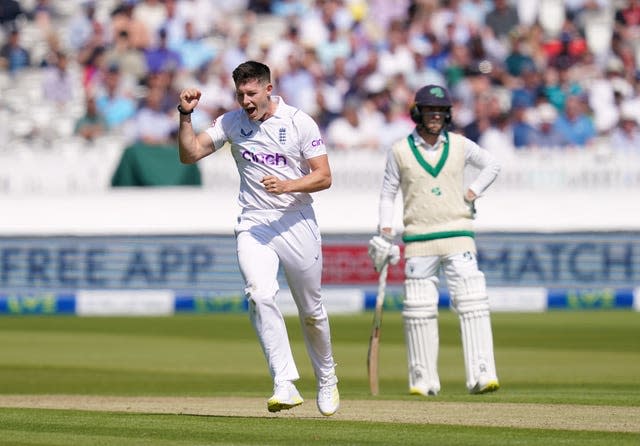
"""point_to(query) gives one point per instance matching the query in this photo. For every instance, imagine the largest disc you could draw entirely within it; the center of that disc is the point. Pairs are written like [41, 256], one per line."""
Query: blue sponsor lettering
[558, 263]
[38, 261]
[67, 267]
[9, 264]
[169, 259]
[94, 265]
[138, 267]
[72, 267]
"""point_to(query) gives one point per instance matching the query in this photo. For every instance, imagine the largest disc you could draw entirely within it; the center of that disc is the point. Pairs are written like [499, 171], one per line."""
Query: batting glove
[381, 250]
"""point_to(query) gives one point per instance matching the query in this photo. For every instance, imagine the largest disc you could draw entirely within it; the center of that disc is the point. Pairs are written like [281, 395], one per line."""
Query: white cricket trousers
[266, 239]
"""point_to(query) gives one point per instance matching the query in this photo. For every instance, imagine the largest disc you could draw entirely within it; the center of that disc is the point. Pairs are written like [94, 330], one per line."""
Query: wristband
[182, 112]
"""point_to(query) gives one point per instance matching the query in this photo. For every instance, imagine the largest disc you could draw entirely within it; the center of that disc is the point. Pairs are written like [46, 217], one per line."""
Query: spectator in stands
[625, 137]
[627, 20]
[13, 56]
[629, 15]
[194, 50]
[153, 14]
[567, 51]
[205, 15]
[42, 14]
[130, 60]
[57, 83]
[244, 49]
[458, 63]
[397, 57]
[122, 19]
[91, 124]
[151, 125]
[606, 92]
[113, 101]
[160, 57]
[498, 138]
[575, 124]
[502, 19]
[10, 10]
[423, 74]
[259, 6]
[397, 124]
[382, 12]
[340, 77]
[93, 64]
[438, 56]
[173, 24]
[289, 9]
[547, 135]
[523, 131]
[528, 87]
[518, 59]
[558, 85]
[165, 81]
[81, 25]
[474, 12]
[486, 109]
[350, 132]
[297, 85]
[277, 54]
[218, 94]
[336, 46]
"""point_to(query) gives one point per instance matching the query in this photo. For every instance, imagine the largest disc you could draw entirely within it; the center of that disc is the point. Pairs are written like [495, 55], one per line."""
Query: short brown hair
[250, 70]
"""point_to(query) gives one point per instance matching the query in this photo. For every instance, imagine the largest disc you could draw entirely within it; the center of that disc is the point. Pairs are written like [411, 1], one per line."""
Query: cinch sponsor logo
[271, 159]
[317, 142]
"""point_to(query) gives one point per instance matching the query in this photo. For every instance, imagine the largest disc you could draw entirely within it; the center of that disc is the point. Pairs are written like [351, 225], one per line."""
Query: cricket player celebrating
[281, 159]
[428, 167]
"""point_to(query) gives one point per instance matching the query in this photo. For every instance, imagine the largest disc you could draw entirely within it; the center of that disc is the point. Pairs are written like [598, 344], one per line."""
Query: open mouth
[250, 110]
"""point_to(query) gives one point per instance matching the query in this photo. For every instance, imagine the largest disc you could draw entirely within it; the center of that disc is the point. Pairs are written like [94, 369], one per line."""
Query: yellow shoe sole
[416, 391]
[277, 406]
[491, 386]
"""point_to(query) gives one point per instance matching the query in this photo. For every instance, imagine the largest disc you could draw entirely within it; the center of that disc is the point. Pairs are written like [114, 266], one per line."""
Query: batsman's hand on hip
[380, 249]
[470, 199]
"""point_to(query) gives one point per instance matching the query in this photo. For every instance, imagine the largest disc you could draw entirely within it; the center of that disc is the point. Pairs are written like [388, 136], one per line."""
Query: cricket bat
[374, 339]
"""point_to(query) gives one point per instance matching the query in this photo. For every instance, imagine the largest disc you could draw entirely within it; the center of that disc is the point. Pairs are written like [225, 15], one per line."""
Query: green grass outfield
[568, 378]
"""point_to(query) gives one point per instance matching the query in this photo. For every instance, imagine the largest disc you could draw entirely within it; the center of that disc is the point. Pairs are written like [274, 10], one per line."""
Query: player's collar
[420, 142]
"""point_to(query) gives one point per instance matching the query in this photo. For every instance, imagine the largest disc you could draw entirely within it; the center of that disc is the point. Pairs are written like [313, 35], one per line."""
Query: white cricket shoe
[285, 396]
[423, 390]
[485, 385]
[328, 396]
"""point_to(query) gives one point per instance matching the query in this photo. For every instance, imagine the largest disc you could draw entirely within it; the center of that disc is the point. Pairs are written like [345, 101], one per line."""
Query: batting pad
[420, 315]
[469, 299]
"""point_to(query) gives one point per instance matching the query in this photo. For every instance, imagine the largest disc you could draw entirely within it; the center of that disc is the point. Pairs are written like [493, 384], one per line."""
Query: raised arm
[192, 147]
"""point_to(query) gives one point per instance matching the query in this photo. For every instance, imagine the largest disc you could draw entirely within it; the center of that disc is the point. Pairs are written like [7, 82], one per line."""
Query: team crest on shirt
[282, 135]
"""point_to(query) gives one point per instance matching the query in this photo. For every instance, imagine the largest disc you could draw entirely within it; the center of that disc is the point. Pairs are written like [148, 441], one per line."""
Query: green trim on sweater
[436, 236]
[433, 171]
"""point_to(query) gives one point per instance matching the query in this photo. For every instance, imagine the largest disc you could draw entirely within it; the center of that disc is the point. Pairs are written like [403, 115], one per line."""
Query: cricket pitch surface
[534, 416]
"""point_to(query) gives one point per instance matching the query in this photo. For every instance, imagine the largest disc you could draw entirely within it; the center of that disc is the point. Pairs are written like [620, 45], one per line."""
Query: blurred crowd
[524, 74]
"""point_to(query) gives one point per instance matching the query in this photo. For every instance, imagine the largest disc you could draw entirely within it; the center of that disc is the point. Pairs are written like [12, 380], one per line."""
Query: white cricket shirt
[280, 146]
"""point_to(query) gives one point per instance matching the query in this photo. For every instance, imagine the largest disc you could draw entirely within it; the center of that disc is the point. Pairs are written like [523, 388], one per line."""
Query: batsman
[428, 168]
